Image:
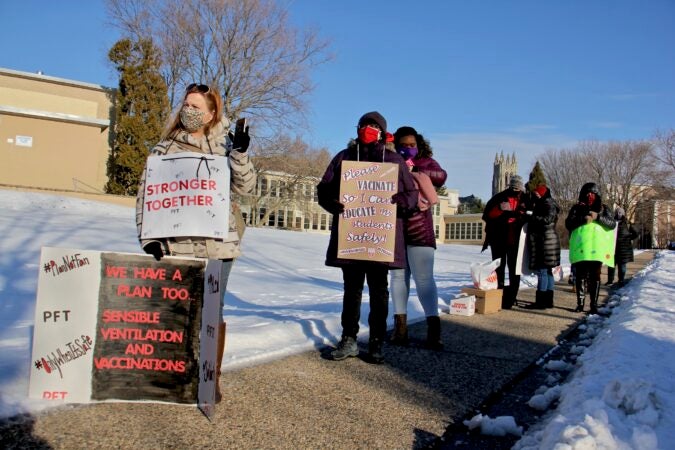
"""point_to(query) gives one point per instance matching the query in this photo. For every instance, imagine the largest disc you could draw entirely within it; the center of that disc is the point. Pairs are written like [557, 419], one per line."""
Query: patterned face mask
[191, 118]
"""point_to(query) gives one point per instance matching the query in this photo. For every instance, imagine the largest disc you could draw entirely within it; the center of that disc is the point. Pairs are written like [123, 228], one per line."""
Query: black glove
[399, 199]
[241, 140]
[339, 208]
[155, 249]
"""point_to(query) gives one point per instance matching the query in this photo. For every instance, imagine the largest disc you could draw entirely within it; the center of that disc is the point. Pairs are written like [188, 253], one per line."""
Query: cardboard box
[487, 302]
[463, 306]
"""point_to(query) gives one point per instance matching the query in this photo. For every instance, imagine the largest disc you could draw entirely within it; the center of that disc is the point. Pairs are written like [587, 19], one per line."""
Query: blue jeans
[545, 281]
[420, 263]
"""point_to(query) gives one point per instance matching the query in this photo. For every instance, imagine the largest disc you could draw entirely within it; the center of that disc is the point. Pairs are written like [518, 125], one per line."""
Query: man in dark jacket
[370, 146]
[504, 216]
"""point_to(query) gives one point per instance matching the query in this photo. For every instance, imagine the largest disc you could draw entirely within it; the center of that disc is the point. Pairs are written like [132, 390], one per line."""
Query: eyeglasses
[201, 88]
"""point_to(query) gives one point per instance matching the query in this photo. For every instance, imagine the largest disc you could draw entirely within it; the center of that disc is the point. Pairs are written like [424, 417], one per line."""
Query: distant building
[503, 168]
[54, 133]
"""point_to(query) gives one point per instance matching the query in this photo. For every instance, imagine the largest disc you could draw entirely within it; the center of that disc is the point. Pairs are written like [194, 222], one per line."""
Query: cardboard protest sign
[186, 194]
[367, 227]
[124, 327]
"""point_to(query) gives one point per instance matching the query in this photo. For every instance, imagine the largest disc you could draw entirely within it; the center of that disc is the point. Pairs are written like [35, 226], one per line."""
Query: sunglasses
[201, 88]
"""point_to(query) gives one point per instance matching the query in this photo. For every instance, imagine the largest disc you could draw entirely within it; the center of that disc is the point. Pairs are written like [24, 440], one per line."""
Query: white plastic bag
[484, 275]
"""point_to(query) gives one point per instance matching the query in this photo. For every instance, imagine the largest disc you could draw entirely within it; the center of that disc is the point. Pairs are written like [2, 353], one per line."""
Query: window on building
[263, 186]
[280, 215]
[436, 231]
[323, 221]
[271, 221]
[315, 221]
[306, 226]
[274, 188]
[447, 230]
[298, 222]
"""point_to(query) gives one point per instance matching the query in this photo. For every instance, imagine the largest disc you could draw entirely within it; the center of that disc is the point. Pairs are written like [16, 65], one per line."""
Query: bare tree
[288, 172]
[565, 172]
[664, 153]
[247, 48]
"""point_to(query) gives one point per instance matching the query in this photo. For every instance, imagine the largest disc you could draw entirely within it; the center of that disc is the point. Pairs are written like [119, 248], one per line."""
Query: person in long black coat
[544, 244]
[623, 252]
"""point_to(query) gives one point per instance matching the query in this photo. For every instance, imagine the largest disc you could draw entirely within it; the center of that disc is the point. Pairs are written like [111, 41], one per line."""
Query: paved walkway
[307, 401]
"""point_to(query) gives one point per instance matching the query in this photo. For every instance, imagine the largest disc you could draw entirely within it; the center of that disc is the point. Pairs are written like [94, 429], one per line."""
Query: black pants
[589, 270]
[508, 255]
[354, 278]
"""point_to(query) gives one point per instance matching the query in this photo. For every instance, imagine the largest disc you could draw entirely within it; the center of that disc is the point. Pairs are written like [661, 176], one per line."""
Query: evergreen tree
[141, 107]
[537, 177]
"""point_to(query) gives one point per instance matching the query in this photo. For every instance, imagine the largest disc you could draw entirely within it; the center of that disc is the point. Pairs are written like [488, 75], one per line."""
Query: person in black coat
[504, 216]
[588, 209]
[623, 252]
[370, 146]
[544, 244]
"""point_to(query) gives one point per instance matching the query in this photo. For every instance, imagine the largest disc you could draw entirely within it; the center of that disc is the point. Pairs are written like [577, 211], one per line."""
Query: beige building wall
[54, 133]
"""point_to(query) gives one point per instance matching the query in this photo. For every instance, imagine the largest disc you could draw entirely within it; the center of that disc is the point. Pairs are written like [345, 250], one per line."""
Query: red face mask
[368, 134]
[590, 198]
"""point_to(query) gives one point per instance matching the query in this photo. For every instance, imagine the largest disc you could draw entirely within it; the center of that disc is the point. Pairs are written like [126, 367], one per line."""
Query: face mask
[590, 198]
[368, 134]
[192, 119]
[407, 152]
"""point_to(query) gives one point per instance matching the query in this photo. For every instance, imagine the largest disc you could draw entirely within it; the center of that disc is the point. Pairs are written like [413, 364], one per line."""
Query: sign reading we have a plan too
[124, 327]
[367, 227]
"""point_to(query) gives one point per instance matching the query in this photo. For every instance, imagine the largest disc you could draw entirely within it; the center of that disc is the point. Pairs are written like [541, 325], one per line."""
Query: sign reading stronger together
[367, 227]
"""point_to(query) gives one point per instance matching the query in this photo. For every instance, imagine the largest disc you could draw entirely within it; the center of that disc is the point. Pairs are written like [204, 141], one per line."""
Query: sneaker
[375, 351]
[346, 347]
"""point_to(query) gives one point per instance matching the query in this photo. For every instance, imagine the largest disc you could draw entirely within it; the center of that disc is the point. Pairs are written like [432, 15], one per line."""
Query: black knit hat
[374, 117]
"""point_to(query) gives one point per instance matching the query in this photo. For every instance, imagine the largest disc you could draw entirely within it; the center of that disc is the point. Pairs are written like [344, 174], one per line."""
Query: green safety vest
[592, 242]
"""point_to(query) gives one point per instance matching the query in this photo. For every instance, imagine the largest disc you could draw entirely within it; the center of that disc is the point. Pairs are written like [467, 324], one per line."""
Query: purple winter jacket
[419, 229]
[328, 191]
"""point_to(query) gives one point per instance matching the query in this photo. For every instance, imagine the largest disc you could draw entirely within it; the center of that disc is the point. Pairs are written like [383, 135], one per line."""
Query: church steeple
[502, 171]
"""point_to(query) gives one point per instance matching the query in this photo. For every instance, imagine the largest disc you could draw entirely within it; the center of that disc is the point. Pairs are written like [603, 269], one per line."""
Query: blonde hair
[213, 102]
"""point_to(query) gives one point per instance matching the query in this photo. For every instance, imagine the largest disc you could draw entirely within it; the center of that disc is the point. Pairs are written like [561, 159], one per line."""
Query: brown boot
[219, 358]
[400, 334]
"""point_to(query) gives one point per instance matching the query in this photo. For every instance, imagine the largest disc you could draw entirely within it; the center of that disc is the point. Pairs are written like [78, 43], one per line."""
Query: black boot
[539, 301]
[548, 299]
[507, 299]
[434, 333]
[581, 295]
[594, 291]
[400, 334]
[610, 276]
[375, 351]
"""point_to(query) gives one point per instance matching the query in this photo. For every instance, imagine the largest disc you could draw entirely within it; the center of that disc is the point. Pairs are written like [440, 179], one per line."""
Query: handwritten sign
[124, 327]
[186, 194]
[367, 227]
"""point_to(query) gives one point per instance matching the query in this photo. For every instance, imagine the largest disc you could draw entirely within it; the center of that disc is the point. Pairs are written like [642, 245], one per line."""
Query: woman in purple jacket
[420, 240]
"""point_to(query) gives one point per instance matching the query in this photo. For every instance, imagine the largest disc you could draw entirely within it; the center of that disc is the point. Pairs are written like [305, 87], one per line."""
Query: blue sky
[476, 78]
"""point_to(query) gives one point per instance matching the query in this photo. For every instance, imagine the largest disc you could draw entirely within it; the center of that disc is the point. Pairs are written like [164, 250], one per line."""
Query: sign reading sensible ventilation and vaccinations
[367, 227]
[124, 327]
[186, 194]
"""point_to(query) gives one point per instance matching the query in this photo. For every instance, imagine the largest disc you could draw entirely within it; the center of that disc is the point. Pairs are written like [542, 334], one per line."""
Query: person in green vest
[590, 224]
